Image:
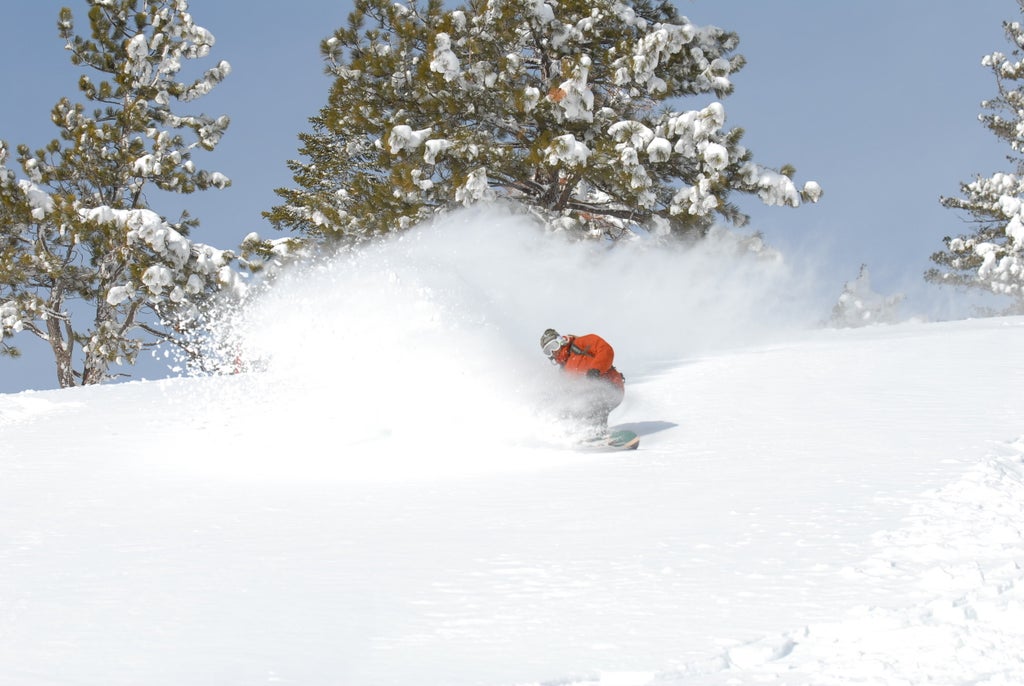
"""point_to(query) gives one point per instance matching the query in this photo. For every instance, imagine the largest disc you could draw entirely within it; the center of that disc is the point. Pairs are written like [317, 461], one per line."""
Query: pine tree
[559, 106]
[859, 305]
[85, 263]
[992, 258]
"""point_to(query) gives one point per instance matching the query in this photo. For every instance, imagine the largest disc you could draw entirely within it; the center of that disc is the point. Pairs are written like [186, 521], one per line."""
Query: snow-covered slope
[816, 507]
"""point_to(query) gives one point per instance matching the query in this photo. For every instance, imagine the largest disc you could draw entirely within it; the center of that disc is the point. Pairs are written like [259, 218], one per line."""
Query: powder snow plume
[439, 326]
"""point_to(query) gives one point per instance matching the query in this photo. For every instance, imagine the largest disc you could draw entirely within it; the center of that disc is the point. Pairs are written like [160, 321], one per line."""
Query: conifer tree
[859, 304]
[992, 258]
[85, 263]
[562, 106]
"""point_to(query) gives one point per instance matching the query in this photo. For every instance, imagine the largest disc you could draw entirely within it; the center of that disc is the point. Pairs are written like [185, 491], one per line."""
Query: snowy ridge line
[962, 553]
[20, 408]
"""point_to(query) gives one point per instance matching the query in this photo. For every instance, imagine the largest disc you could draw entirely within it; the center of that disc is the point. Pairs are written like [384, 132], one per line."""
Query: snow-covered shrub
[860, 305]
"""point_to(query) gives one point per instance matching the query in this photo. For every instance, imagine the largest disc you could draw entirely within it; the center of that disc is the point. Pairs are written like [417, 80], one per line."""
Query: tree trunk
[96, 362]
[61, 349]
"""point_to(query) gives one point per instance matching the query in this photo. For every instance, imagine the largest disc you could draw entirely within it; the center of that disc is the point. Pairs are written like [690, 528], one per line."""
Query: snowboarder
[589, 358]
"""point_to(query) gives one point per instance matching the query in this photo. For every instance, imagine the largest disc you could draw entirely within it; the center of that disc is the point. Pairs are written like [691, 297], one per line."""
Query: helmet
[551, 341]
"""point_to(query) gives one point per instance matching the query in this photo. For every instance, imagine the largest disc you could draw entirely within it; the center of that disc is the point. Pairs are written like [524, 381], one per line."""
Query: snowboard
[614, 440]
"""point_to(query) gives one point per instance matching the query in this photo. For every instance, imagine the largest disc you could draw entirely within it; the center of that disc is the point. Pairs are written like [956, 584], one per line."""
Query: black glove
[593, 374]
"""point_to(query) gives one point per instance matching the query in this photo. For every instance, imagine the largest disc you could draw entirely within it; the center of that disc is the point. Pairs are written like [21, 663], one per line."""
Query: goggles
[554, 345]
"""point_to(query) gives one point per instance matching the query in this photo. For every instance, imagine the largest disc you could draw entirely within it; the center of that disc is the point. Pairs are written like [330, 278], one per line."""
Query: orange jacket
[590, 352]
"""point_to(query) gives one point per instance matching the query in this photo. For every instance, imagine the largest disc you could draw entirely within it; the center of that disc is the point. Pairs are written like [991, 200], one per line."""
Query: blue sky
[877, 101]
